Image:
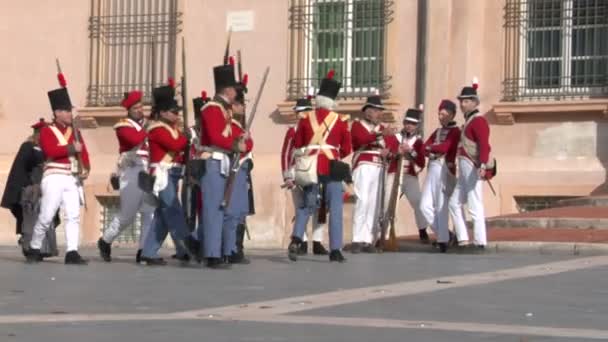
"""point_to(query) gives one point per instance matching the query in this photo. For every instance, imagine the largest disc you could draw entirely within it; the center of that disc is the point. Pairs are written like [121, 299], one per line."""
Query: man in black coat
[22, 192]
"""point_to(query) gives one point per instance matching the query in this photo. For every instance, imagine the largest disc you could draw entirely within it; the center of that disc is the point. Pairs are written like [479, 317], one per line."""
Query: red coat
[415, 161]
[237, 131]
[366, 145]
[131, 134]
[478, 130]
[287, 153]
[54, 152]
[216, 126]
[166, 143]
[444, 143]
[339, 137]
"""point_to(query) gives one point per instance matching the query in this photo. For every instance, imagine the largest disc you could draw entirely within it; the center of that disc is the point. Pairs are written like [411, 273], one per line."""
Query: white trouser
[468, 190]
[410, 187]
[317, 228]
[58, 189]
[438, 186]
[131, 202]
[366, 179]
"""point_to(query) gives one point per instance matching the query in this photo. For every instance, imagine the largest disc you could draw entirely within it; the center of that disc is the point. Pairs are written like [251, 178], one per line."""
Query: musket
[380, 196]
[389, 214]
[76, 132]
[234, 164]
[186, 194]
[227, 51]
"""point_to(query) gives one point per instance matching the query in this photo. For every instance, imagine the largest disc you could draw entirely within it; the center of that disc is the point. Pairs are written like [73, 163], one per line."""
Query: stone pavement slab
[126, 302]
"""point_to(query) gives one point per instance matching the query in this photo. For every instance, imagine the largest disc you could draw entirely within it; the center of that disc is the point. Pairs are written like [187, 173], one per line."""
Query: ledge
[507, 111]
[350, 107]
[92, 116]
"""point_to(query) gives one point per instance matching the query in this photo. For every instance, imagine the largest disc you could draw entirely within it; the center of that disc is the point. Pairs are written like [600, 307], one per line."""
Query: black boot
[73, 258]
[303, 248]
[238, 258]
[318, 249]
[424, 237]
[138, 256]
[32, 256]
[443, 247]
[337, 256]
[294, 248]
[153, 261]
[192, 248]
[105, 250]
[218, 264]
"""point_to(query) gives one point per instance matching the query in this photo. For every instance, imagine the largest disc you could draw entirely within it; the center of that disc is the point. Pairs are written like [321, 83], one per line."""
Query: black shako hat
[373, 101]
[329, 87]
[60, 99]
[164, 99]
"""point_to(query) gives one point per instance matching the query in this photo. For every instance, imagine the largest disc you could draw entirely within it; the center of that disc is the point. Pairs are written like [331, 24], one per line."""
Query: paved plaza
[388, 297]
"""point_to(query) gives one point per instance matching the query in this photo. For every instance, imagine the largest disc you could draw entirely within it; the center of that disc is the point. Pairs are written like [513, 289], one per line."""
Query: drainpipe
[421, 32]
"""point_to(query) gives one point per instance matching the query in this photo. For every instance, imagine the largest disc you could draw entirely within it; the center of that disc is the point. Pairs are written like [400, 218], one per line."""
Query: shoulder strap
[320, 133]
[61, 138]
[158, 124]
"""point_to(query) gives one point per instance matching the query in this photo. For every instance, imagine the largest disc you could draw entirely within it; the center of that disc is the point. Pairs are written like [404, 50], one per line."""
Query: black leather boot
[318, 248]
[337, 256]
[73, 258]
[105, 250]
[294, 248]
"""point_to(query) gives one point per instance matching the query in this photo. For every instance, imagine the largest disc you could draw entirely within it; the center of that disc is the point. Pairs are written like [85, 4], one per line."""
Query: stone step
[581, 217]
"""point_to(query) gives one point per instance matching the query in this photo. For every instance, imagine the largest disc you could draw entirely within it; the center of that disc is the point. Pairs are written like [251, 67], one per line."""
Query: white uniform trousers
[57, 190]
[366, 179]
[438, 186]
[132, 200]
[468, 190]
[317, 228]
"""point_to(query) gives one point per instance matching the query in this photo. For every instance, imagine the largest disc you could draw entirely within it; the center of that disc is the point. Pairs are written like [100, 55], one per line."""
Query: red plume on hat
[171, 82]
[245, 80]
[231, 60]
[203, 95]
[475, 83]
[330, 74]
[62, 82]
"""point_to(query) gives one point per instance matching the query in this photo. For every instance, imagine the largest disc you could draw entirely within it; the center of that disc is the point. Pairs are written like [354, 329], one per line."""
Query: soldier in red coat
[440, 180]
[167, 146]
[322, 139]
[66, 166]
[303, 105]
[218, 143]
[371, 149]
[474, 166]
[133, 158]
[412, 147]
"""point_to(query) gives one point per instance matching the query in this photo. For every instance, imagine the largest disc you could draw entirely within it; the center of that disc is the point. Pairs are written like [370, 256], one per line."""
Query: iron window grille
[348, 36]
[556, 49]
[132, 46]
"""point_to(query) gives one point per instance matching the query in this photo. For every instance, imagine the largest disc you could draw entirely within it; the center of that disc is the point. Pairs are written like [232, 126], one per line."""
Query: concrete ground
[388, 297]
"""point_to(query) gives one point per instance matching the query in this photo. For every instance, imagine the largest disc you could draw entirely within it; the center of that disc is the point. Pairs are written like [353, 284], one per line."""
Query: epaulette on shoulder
[122, 123]
[344, 117]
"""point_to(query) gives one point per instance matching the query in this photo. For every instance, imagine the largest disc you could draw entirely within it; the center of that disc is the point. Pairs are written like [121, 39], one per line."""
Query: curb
[549, 222]
[527, 247]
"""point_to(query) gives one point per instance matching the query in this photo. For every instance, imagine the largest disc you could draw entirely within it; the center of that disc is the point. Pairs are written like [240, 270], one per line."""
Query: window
[345, 35]
[132, 46]
[556, 49]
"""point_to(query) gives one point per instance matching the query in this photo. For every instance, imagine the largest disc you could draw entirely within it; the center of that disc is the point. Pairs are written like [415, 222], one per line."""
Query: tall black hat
[373, 101]
[329, 87]
[164, 99]
[60, 99]
[223, 76]
[412, 115]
